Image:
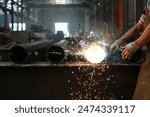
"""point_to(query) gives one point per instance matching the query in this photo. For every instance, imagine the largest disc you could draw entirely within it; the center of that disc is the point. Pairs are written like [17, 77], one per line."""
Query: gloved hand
[115, 45]
[129, 50]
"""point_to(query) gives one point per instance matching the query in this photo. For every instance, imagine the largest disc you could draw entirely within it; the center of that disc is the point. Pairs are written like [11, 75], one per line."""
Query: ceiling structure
[54, 2]
[57, 3]
[47, 3]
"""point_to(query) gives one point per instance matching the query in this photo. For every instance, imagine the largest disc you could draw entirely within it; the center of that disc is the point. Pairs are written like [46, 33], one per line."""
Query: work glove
[129, 50]
[116, 44]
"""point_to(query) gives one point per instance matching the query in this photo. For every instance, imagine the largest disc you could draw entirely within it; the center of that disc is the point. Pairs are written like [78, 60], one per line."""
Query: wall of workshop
[132, 12]
[107, 14]
[106, 18]
[2, 20]
[48, 16]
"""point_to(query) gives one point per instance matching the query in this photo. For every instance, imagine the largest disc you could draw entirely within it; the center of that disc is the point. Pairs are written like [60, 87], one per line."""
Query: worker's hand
[116, 44]
[129, 50]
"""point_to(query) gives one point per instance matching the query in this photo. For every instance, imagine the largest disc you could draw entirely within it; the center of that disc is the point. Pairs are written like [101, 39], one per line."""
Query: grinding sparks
[94, 54]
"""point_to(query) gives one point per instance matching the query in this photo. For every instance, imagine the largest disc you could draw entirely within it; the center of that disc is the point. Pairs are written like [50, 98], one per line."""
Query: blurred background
[109, 17]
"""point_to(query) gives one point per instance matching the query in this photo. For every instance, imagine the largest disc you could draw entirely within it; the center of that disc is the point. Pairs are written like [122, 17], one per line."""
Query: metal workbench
[67, 81]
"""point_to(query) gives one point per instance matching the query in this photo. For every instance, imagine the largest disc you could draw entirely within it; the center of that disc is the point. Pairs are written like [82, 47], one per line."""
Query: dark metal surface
[67, 81]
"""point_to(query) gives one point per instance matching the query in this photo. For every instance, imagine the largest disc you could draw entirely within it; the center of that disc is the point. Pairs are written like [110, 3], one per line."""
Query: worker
[142, 90]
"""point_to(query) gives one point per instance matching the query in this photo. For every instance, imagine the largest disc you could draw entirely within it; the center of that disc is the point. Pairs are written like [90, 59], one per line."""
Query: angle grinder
[117, 54]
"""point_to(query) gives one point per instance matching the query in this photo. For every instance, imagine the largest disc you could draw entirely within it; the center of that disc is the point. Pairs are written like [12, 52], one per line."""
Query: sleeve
[142, 19]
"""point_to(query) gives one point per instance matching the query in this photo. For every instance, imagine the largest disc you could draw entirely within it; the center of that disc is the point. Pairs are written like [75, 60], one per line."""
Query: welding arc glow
[94, 54]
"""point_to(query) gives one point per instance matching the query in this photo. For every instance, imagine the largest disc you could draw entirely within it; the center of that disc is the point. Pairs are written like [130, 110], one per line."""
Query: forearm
[132, 32]
[144, 38]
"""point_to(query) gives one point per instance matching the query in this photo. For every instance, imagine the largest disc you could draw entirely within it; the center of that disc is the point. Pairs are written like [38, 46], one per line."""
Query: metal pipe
[60, 52]
[29, 52]
[56, 52]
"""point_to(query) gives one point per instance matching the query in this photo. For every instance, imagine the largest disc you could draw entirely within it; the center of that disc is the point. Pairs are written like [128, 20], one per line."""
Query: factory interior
[59, 49]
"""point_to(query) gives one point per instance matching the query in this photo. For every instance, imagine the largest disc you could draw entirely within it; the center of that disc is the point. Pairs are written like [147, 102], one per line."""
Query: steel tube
[60, 52]
[56, 52]
[29, 52]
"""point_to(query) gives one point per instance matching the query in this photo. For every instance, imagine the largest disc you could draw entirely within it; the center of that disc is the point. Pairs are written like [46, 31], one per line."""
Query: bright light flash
[94, 54]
